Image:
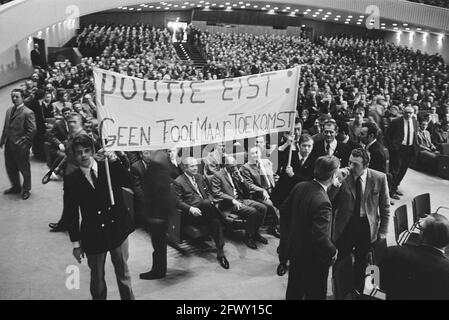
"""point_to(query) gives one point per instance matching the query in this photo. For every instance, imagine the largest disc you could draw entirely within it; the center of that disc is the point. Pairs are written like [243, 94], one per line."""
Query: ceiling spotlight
[308, 10]
[320, 10]
[323, 18]
[362, 16]
[336, 19]
[284, 10]
[350, 17]
[383, 27]
[242, 7]
[329, 13]
[359, 22]
[405, 24]
[305, 12]
[346, 22]
[256, 6]
[395, 24]
[247, 4]
[275, 8]
[419, 29]
[314, 16]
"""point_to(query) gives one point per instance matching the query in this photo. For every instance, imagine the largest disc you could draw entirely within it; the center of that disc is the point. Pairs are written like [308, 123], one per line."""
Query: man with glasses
[403, 145]
[330, 146]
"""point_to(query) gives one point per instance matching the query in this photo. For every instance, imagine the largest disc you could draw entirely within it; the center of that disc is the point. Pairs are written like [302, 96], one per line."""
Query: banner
[136, 114]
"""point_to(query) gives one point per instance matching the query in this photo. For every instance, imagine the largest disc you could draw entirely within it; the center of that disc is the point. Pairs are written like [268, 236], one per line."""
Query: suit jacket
[341, 152]
[222, 188]
[212, 163]
[103, 227]
[253, 176]
[424, 140]
[138, 170]
[415, 273]
[375, 198]
[22, 124]
[395, 133]
[41, 113]
[59, 133]
[306, 217]
[378, 157]
[187, 195]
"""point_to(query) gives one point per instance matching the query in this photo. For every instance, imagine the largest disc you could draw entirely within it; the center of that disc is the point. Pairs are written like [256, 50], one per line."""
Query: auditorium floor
[34, 261]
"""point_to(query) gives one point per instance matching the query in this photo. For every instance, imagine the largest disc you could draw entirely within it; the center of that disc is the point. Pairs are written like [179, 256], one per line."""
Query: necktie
[301, 162]
[328, 149]
[13, 112]
[93, 177]
[409, 135]
[196, 187]
[358, 197]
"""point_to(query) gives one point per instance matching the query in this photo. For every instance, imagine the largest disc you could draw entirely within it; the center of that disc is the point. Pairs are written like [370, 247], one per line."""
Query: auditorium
[224, 151]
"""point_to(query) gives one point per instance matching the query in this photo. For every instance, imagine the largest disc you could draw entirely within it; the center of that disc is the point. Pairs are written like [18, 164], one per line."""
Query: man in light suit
[214, 160]
[229, 186]
[258, 173]
[197, 205]
[361, 213]
[403, 145]
[17, 137]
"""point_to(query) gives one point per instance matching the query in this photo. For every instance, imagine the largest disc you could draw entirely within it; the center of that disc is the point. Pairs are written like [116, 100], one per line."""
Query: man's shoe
[399, 193]
[25, 195]
[12, 191]
[150, 275]
[250, 243]
[395, 197]
[260, 239]
[223, 262]
[274, 232]
[282, 269]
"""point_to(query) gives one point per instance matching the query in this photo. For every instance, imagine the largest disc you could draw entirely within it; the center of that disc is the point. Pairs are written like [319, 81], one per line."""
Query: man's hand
[61, 147]
[289, 171]
[334, 258]
[196, 212]
[237, 204]
[102, 154]
[382, 236]
[78, 254]
[266, 196]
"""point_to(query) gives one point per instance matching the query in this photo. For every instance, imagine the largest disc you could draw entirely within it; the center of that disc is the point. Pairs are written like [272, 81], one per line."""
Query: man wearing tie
[330, 146]
[403, 146]
[361, 213]
[17, 137]
[197, 205]
[43, 110]
[258, 173]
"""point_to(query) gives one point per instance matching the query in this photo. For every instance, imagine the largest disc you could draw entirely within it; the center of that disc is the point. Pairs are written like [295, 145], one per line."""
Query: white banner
[136, 114]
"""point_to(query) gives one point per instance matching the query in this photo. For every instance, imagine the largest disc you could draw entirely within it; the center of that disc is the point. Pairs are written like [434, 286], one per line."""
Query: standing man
[17, 137]
[37, 59]
[197, 205]
[330, 146]
[43, 110]
[368, 136]
[401, 135]
[105, 227]
[362, 213]
[307, 240]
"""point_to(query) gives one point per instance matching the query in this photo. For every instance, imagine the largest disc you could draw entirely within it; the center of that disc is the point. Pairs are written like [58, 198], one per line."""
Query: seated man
[228, 185]
[214, 160]
[427, 152]
[196, 202]
[258, 174]
[419, 272]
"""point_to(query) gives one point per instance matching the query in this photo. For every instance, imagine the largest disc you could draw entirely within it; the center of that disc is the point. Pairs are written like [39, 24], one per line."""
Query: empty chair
[401, 231]
[421, 208]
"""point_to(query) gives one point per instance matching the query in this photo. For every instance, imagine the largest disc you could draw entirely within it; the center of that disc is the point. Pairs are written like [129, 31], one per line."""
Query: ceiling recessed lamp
[192, 4]
[418, 29]
[242, 7]
[183, 7]
[359, 22]
[314, 16]
[405, 24]
[199, 5]
[395, 24]
[336, 19]
[139, 9]
[207, 3]
[221, 5]
[383, 27]
[169, 5]
[158, 8]
[317, 13]
[308, 10]
[175, 6]
[256, 6]
[296, 10]
[323, 18]
[288, 8]
[267, 6]
[241, 2]
[227, 3]
[305, 12]
[167, 8]
[395, 28]
[142, 5]
[248, 4]
[329, 13]
[234, 5]
[408, 29]
[120, 7]
[201, 1]
[346, 22]
[132, 9]
[186, 3]
[350, 17]
[362, 16]
[276, 8]
[320, 10]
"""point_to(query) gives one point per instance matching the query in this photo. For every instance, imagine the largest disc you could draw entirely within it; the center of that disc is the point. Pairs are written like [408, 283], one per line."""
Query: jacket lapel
[369, 185]
[351, 185]
[16, 114]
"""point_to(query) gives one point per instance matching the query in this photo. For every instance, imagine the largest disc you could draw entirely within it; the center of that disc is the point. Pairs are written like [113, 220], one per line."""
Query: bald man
[403, 145]
[197, 205]
[419, 272]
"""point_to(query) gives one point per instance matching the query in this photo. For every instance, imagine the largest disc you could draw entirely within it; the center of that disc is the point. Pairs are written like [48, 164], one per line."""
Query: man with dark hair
[105, 227]
[419, 272]
[402, 138]
[330, 146]
[229, 186]
[43, 110]
[361, 213]
[355, 126]
[368, 136]
[344, 137]
[197, 205]
[306, 240]
[17, 137]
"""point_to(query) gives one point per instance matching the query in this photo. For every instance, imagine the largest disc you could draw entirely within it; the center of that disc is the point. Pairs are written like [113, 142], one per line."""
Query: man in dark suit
[361, 213]
[403, 146]
[197, 205]
[155, 201]
[368, 136]
[258, 174]
[330, 145]
[229, 186]
[307, 236]
[17, 137]
[59, 134]
[43, 110]
[419, 272]
[37, 59]
[105, 227]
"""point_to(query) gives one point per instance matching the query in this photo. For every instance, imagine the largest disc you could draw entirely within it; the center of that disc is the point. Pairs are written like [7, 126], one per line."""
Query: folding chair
[401, 231]
[421, 208]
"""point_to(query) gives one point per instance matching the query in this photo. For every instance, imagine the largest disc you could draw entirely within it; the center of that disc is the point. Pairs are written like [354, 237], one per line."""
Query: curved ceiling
[21, 18]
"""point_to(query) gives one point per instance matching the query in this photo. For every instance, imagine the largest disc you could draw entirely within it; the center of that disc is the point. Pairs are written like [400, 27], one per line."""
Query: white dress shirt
[408, 127]
[362, 204]
[86, 171]
[333, 146]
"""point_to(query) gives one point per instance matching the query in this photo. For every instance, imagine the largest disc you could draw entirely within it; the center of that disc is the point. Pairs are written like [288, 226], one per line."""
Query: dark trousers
[356, 238]
[307, 279]
[158, 232]
[38, 146]
[18, 160]
[254, 213]
[400, 161]
[272, 212]
[213, 220]
[96, 262]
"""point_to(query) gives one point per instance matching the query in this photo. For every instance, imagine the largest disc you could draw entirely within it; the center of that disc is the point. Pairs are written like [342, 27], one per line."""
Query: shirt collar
[371, 143]
[363, 176]
[93, 166]
[333, 144]
[322, 185]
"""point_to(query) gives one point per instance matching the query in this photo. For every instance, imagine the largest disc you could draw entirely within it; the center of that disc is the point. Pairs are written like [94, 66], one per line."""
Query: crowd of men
[357, 98]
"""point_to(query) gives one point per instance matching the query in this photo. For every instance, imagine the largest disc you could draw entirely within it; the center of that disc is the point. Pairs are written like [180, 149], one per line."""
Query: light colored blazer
[21, 125]
[376, 200]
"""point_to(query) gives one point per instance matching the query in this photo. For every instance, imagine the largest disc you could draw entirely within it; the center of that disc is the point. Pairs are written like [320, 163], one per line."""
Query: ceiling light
[336, 19]
[395, 24]
[255, 6]
[247, 4]
[288, 8]
[346, 22]
[320, 10]
[308, 10]
[362, 16]
[405, 24]
[275, 8]
[139, 9]
[314, 16]
[383, 27]
[395, 28]
[296, 10]
[183, 7]
[305, 12]
[359, 22]
[242, 7]
[419, 29]
[323, 18]
[350, 17]
[267, 5]
[329, 13]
